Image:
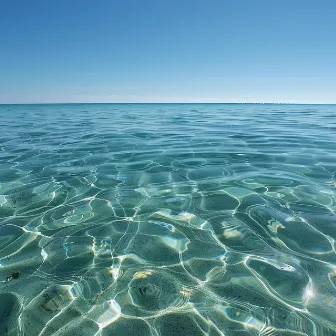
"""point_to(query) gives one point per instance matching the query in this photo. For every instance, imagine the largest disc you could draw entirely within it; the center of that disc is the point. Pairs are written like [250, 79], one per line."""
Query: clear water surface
[167, 219]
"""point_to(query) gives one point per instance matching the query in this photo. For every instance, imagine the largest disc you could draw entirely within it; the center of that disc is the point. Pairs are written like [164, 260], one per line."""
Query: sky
[167, 51]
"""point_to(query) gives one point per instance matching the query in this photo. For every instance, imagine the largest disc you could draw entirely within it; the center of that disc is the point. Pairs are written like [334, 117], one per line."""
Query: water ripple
[176, 219]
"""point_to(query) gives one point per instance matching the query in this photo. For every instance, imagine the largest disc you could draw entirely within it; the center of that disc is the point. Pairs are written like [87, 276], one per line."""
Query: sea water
[167, 219]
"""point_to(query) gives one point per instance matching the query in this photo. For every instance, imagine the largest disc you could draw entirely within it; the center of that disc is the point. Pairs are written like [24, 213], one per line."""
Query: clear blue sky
[167, 50]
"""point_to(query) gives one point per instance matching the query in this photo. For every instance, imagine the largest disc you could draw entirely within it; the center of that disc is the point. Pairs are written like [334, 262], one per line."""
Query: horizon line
[163, 102]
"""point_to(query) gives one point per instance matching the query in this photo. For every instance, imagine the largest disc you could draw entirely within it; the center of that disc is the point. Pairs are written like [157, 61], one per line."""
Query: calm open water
[167, 219]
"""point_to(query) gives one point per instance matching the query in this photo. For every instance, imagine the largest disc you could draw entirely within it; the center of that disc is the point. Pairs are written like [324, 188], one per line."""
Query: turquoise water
[167, 219]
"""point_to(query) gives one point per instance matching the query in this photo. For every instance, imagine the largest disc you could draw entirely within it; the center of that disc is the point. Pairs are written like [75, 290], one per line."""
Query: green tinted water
[167, 219]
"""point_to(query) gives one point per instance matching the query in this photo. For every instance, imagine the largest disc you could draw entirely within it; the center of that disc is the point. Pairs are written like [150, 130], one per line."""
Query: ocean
[167, 219]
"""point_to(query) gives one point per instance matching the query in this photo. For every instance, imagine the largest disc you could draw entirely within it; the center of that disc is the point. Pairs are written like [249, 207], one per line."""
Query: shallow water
[167, 219]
